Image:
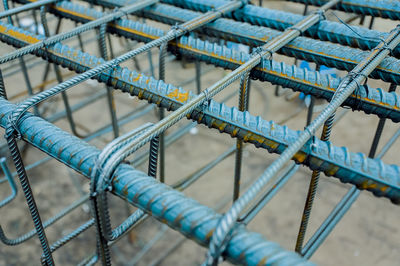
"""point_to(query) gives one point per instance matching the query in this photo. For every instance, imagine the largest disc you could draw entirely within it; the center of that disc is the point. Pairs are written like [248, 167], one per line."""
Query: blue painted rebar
[277, 19]
[368, 99]
[293, 77]
[348, 85]
[324, 53]
[179, 212]
[25, 7]
[350, 167]
[381, 8]
[37, 44]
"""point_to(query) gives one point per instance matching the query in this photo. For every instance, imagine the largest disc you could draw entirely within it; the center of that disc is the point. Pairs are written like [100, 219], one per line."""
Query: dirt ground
[367, 235]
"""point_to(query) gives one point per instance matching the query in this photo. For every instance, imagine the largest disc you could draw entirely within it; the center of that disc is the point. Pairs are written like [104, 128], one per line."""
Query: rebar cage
[302, 87]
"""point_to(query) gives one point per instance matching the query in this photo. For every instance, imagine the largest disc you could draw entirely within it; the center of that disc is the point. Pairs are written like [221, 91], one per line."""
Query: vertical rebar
[43, 10]
[26, 188]
[3, 92]
[326, 132]
[153, 157]
[347, 201]
[243, 106]
[197, 65]
[161, 76]
[110, 97]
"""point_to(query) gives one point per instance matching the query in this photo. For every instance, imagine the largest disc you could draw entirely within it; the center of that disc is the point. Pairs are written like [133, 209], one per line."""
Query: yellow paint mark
[384, 188]
[332, 171]
[300, 157]
[137, 78]
[180, 97]
[18, 35]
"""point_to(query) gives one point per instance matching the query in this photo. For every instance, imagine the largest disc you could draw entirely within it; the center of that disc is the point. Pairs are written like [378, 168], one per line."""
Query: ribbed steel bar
[105, 233]
[22, 238]
[329, 54]
[172, 34]
[339, 211]
[165, 204]
[13, 186]
[80, 29]
[346, 88]
[334, 161]
[161, 76]
[277, 19]
[324, 53]
[57, 72]
[382, 8]
[312, 190]
[154, 131]
[242, 106]
[347, 201]
[110, 96]
[26, 7]
[370, 100]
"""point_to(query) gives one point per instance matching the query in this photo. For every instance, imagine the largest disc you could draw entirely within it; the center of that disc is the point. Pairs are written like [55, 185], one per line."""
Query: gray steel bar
[35, 45]
[164, 203]
[348, 85]
[25, 7]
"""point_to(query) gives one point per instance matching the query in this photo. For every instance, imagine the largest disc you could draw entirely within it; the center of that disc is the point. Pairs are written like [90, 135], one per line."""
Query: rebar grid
[199, 31]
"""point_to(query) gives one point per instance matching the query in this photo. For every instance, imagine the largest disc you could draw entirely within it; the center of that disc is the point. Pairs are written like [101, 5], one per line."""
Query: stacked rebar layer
[234, 35]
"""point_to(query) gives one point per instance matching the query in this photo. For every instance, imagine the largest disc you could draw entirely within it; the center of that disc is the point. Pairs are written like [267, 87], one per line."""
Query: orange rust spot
[242, 256]
[137, 78]
[262, 262]
[367, 185]
[60, 151]
[125, 190]
[178, 219]
[234, 132]
[300, 157]
[180, 97]
[209, 235]
[80, 163]
[256, 139]
[332, 170]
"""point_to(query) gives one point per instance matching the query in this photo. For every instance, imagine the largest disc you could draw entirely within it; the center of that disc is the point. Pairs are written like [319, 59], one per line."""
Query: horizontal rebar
[80, 29]
[380, 8]
[348, 167]
[323, 53]
[351, 82]
[277, 19]
[162, 202]
[369, 100]
[26, 7]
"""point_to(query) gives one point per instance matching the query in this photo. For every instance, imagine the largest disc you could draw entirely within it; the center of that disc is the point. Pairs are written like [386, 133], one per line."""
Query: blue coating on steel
[323, 53]
[376, 8]
[277, 19]
[382, 8]
[161, 201]
[373, 175]
[375, 101]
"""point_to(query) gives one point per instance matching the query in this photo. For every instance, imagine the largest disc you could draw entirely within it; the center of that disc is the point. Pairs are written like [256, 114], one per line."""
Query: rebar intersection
[195, 35]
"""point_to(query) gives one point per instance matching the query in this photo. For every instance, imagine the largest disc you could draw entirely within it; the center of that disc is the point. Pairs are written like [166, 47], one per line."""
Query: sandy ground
[367, 235]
